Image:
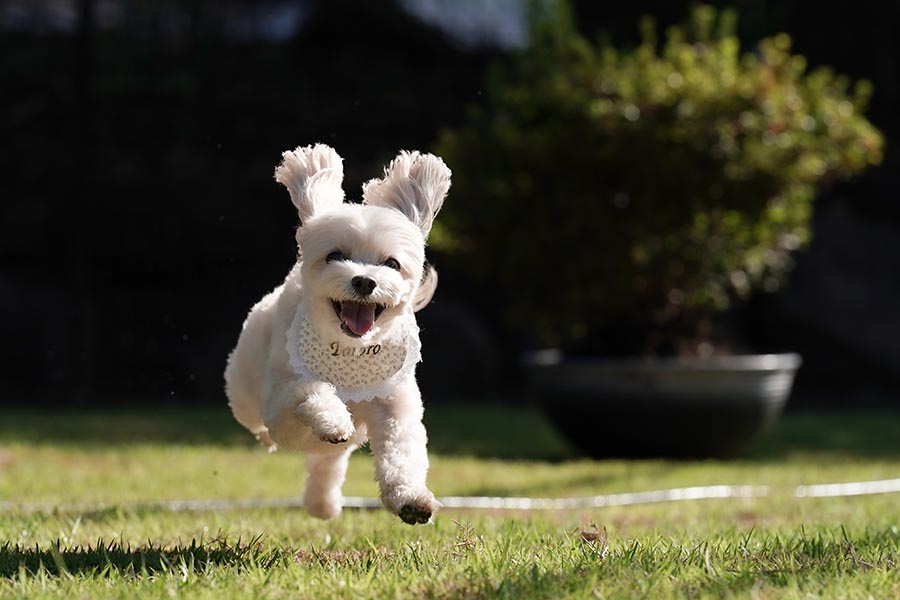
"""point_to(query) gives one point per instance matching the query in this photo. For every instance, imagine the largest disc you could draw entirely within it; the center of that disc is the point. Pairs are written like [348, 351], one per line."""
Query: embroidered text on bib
[358, 373]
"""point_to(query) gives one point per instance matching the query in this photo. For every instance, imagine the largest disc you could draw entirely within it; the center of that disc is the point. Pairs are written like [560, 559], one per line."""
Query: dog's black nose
[363, 285]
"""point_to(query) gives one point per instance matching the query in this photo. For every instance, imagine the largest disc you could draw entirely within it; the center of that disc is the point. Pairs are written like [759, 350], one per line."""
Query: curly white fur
[381, 241]
[414, 184]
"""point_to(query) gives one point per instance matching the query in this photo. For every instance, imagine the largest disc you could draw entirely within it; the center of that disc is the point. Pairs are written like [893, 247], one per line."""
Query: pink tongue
[358, 317]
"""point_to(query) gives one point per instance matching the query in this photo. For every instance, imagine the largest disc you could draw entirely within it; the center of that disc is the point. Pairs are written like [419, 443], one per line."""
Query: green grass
[103, 469]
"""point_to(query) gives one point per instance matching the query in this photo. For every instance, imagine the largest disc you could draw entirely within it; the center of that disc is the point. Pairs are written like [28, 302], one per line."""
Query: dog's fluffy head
[363, 264]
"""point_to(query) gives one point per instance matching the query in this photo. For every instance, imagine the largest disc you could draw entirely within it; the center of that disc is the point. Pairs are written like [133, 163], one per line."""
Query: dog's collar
[358, 373]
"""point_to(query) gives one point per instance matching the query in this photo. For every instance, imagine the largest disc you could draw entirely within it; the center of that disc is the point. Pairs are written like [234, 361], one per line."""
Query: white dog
[327, 360]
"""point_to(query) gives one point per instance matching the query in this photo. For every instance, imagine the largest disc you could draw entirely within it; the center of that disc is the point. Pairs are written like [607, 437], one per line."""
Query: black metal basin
[676, 408]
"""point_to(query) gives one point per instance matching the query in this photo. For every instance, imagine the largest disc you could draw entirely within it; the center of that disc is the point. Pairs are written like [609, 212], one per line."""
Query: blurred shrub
[651, 186]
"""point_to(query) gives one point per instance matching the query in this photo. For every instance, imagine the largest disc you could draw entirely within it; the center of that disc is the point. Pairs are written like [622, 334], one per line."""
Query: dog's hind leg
[246, 364]
[245, 403]
[322, 497]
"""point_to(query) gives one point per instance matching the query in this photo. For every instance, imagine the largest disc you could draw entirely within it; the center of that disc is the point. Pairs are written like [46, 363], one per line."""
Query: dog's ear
[313, 176]
[415, 184]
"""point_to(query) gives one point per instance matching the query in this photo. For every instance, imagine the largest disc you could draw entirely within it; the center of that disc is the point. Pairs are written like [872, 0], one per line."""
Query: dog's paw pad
[335, 433]
[337, 437]
[416, 513]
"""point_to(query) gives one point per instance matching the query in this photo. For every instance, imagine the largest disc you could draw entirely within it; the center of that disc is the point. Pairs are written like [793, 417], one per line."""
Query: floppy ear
[415, 184]
[313, 176]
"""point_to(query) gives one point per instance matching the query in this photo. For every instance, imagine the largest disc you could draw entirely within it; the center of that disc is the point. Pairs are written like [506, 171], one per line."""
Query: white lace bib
[358, 374]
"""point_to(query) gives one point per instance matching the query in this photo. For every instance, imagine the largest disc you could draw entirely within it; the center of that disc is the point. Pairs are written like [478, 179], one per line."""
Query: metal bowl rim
[741, 362]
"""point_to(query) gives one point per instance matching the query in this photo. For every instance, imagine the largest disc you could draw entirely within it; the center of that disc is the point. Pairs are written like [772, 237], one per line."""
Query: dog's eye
[392, 263]
[337, 255]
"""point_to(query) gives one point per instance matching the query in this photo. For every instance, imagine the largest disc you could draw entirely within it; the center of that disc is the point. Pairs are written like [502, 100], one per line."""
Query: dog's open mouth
[356, 318]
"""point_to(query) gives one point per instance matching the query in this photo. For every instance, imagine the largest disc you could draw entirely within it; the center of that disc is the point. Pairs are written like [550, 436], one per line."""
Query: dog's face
[363, 263]
[361, 268]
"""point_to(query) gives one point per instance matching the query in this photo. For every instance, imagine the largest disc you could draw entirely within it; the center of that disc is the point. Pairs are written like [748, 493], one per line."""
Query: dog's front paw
[334, 427]
[326, 507]
[326, 416]
[419, 510]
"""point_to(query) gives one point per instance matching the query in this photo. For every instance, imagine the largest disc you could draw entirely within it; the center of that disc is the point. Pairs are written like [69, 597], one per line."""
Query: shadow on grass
[502, 431]
[487, 431]
[838, 434]
[105, 559]
[144, 424]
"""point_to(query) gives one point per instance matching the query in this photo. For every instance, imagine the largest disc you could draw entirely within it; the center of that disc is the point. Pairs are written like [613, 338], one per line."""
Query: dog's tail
[426, 288]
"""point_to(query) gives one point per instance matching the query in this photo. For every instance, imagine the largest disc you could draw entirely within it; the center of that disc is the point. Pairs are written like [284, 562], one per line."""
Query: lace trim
[357, 374]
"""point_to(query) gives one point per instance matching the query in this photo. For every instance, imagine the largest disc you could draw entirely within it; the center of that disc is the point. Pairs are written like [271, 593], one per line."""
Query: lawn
[78, 514]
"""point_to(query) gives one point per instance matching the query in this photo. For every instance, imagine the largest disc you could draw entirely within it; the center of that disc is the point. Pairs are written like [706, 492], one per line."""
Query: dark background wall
[140, 220]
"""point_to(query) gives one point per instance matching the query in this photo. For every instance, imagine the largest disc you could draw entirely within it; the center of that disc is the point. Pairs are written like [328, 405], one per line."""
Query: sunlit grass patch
[485, 557]
[82, 521]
